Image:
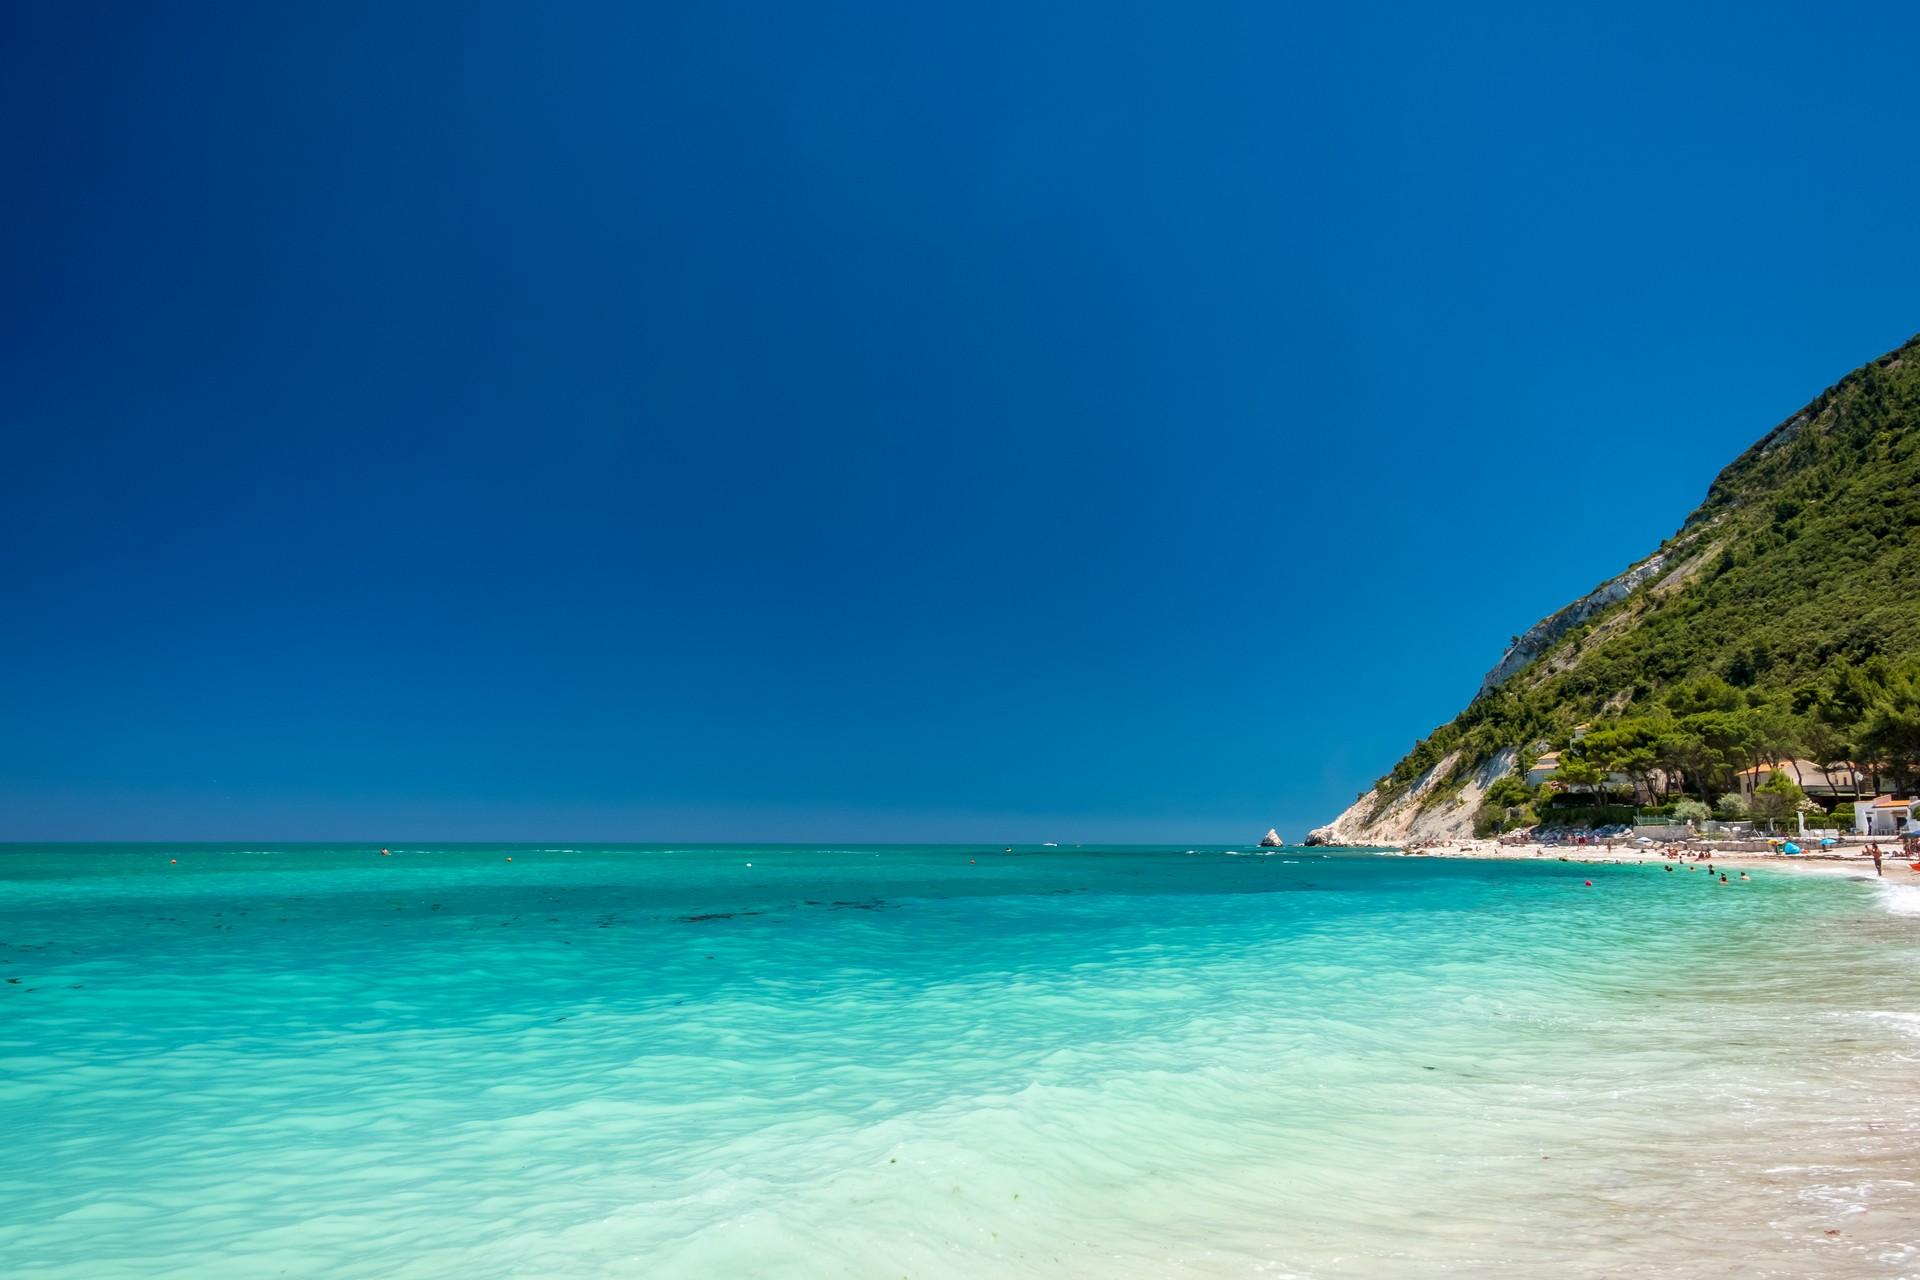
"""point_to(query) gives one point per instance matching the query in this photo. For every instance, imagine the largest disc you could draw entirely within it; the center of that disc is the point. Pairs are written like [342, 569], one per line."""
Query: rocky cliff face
[1542, 635]
[1426, 811]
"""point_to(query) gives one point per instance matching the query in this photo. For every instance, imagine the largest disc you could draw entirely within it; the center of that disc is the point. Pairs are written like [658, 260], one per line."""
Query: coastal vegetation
[1779, 626]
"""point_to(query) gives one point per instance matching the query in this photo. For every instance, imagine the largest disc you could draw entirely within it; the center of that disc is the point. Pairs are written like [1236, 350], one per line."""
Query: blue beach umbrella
[1789, 847]
[1828, 842]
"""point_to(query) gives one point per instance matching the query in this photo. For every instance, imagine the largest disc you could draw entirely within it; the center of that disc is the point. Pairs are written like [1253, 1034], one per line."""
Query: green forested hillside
[1785, 622]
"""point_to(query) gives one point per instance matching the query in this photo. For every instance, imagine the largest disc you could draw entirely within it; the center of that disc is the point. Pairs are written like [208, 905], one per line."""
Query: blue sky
[1080, 422]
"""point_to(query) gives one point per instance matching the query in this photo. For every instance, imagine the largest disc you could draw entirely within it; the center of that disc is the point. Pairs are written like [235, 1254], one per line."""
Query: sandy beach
[1851, 861]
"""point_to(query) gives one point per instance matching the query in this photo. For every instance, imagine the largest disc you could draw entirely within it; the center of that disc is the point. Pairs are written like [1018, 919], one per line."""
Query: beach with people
[1850, 858]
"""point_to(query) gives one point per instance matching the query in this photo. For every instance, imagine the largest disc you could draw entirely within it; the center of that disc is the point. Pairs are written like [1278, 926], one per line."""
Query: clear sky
[983, 422]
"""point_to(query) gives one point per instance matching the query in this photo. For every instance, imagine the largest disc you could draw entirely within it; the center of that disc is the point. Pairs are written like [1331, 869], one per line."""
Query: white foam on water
[1900, 899]
[1906, 1023]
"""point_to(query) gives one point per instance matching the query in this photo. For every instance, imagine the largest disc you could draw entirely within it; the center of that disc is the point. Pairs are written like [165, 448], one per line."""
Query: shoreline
[1852, 864]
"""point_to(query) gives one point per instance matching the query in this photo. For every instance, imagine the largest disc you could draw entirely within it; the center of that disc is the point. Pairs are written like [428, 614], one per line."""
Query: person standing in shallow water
[1878, 870]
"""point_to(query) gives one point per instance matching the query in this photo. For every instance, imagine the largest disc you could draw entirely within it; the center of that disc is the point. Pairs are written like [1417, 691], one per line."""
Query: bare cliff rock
[1542, 635]
[1425, 811]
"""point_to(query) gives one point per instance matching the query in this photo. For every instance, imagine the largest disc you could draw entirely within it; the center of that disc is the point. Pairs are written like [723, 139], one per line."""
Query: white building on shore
[1887, 816]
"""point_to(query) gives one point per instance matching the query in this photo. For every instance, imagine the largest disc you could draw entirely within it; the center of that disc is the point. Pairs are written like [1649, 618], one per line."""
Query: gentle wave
[1900, 899]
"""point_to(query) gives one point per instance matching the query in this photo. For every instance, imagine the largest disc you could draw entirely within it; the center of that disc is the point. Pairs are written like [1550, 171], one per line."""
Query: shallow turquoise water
[933, 1061]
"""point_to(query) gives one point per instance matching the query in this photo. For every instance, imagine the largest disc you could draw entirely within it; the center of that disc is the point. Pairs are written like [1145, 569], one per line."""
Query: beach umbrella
[1789, 847]
[1828, 842]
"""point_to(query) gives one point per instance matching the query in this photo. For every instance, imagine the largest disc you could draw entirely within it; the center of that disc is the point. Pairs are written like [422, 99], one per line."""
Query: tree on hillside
[1682, 751]
[1777, 797]
[1710, 747]
[1691, 811]
[1627, 746]
[1580, 775]
[1778, 737]
[1835, 709]
[1890, 731]
[1707, 693]
[1826, 745]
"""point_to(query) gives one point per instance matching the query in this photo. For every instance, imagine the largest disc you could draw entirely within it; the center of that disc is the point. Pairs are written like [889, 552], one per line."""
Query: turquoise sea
[594, 1061]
